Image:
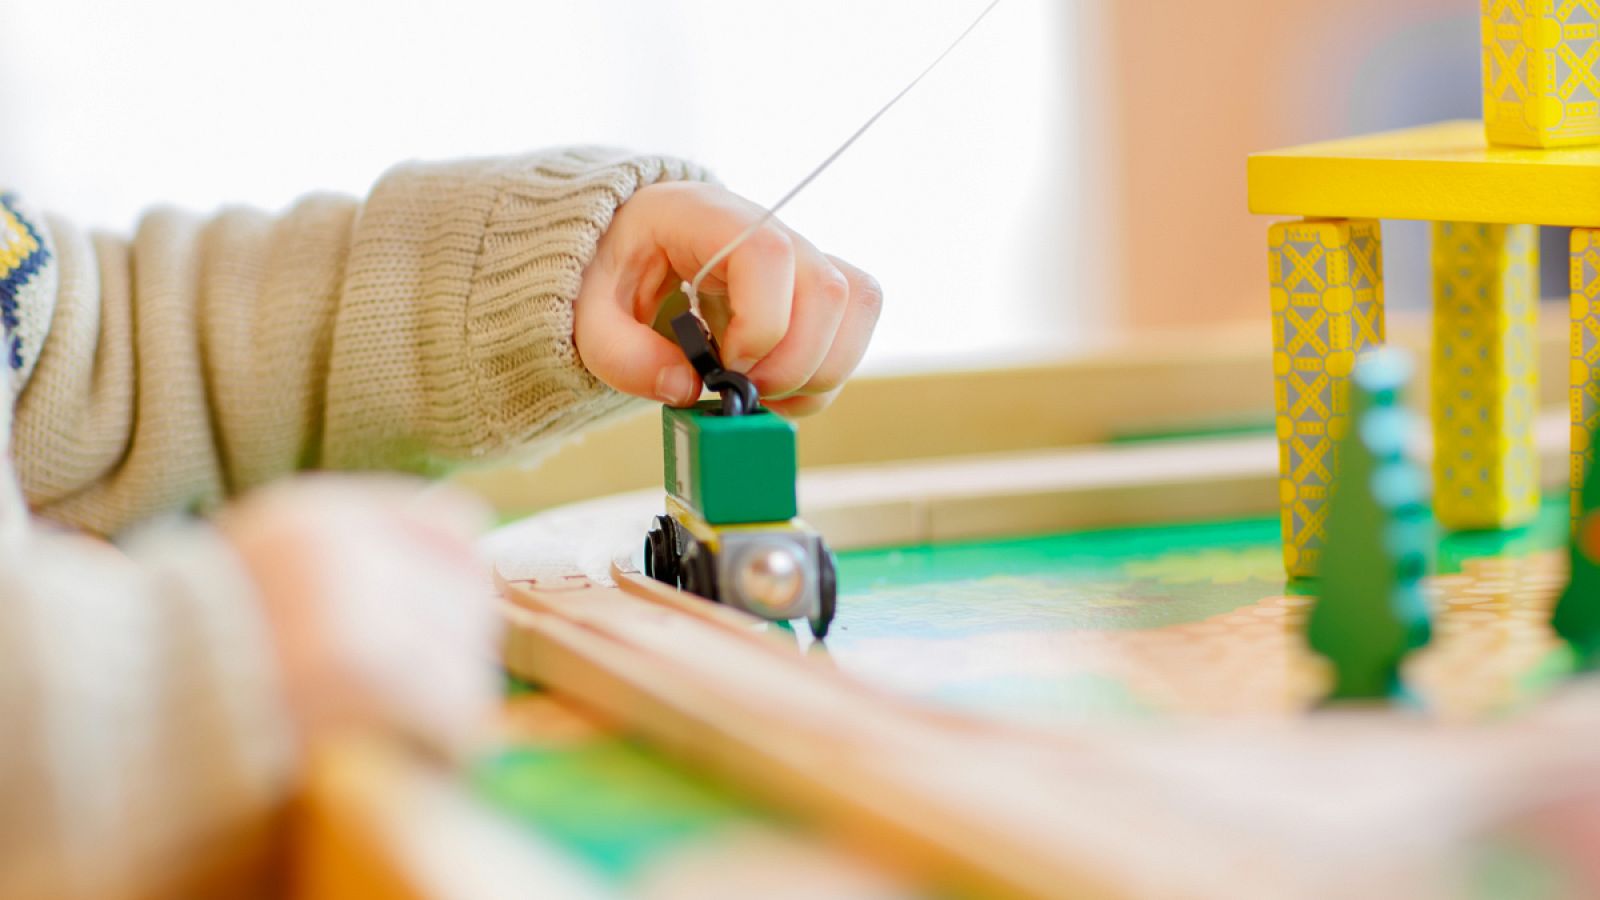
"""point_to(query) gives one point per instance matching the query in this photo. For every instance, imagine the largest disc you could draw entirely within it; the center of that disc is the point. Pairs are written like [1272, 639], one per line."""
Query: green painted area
[612, 804]
[516, 687]
[729, 469]
[1113, 579]
[1009, 628]
[1119, 578]
[1016, 629]
[1548, 673]
[1211, 428]
[1547, 532]
[1503, 867]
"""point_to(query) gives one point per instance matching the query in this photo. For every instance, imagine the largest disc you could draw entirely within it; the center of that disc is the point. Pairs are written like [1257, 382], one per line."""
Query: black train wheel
[661, 551]
[699, 571]
[827, 591]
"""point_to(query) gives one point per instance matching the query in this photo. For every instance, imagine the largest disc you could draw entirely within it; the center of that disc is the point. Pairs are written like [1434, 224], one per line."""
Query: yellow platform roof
[1441, 173]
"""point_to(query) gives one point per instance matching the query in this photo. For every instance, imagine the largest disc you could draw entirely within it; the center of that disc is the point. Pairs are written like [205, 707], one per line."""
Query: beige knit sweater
[141, 733]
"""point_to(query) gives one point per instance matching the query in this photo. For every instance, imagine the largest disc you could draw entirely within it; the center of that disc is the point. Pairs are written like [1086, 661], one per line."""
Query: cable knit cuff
[453, 341]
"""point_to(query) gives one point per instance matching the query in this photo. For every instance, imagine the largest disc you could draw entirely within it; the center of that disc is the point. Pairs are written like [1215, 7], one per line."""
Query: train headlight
[770, 578]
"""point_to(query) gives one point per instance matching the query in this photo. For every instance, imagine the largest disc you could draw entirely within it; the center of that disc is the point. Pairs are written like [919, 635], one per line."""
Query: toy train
[731, 534]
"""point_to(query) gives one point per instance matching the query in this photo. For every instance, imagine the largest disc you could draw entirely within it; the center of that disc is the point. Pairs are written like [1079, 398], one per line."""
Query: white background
[966, 201]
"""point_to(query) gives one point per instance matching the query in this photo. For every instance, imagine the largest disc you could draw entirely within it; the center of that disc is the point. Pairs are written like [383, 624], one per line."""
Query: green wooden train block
[1370, 611]
[730, 469]
[1577, 613]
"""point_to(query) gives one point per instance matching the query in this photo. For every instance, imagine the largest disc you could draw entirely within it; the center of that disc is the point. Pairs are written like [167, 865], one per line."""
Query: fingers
[798, 321]
[849, 345]
[758, 277]
[761, 284]
[691, 224]
[406, 632]
[381, 613]
[616, 346]
[663, 233]
[821, 296]
[854, 334]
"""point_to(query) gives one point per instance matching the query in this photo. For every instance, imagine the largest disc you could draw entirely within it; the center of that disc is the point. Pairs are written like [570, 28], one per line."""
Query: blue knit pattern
[22, 255]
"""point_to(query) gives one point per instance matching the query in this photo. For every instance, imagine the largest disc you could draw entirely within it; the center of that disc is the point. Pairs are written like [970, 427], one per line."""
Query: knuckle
[869, 294]
[833, 290]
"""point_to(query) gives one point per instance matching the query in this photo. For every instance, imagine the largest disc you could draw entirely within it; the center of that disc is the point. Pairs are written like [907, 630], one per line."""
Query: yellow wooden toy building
[1486, 186]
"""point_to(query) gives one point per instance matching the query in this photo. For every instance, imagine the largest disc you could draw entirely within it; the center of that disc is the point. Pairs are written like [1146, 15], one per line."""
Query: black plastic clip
[739, 394]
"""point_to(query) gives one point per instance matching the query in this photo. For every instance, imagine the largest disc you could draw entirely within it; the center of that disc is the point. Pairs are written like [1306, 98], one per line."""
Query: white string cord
[693, 287]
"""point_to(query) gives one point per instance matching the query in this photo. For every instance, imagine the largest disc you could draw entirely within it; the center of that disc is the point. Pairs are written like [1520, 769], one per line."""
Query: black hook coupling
[738, 393]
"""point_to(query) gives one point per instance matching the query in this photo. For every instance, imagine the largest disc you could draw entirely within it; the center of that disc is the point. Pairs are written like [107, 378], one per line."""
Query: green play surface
[1141, 577]
[608, 801]
[1053, 629]
[1045, 628]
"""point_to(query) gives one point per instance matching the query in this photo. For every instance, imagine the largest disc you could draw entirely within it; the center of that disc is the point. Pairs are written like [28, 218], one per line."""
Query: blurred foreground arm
[155, 702]
[146, 744]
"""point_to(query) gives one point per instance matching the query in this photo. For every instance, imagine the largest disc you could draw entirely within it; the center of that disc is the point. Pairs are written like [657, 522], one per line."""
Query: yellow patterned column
[1327, 305]
[1539, 82]
[1485, 391]
[1583, 396]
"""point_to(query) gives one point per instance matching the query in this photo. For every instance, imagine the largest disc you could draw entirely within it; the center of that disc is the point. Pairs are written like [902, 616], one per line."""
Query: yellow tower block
[1539, 82]
[1327, 306]
[1583, 394]
[1485, 390]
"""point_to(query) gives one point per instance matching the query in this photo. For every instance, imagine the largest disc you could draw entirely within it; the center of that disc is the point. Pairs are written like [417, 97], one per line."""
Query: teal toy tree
[1369, 612]
[1577, 615]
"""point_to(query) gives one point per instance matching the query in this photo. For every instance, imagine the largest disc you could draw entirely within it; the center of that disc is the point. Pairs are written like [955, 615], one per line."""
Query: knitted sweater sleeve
[427, 326]
[146, 752]
[423, 328]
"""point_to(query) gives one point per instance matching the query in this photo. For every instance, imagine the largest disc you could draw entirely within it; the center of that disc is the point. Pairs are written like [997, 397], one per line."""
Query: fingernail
[674, 386]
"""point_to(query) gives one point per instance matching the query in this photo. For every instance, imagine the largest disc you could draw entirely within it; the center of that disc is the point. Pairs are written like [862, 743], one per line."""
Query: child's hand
[800, 319]
[382, 615]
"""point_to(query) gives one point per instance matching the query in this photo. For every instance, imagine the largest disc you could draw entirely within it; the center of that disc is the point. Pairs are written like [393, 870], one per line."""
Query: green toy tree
[1369, 611]
[1577, 614]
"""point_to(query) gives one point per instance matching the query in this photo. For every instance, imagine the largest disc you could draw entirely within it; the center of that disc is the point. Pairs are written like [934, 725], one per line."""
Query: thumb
[626, 353]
